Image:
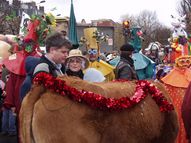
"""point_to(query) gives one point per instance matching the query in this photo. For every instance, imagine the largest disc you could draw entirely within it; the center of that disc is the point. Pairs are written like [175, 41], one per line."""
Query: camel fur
[47, 117]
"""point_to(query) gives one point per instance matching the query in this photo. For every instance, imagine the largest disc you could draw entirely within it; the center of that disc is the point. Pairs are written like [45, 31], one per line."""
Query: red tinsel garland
[98, 101]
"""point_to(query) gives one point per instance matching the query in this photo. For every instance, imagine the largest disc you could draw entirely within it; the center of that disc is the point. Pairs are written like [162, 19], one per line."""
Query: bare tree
[161, 34]
[148, 20]
[153, 29]
[185, 9]
[130, 18]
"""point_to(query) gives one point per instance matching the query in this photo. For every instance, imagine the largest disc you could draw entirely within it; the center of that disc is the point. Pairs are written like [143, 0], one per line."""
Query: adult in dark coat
[125, 68]
[186, 112]
[30, 64]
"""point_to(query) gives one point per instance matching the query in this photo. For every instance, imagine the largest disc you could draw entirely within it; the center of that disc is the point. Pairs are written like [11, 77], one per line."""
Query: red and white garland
[143, 88]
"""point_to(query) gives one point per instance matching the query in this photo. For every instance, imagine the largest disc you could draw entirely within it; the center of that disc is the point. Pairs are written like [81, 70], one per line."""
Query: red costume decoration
[186, 112]
[16, 66]
[101, 102]
[176, 83]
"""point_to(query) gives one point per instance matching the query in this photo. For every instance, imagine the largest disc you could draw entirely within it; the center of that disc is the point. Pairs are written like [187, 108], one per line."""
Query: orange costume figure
[176, 83]
[179, 49]
[179, 42]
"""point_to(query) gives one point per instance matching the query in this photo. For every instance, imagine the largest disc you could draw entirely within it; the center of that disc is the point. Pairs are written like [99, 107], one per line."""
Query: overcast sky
[112, 9]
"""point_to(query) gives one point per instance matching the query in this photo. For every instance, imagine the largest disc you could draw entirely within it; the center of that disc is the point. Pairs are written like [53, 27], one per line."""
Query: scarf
[72, 73]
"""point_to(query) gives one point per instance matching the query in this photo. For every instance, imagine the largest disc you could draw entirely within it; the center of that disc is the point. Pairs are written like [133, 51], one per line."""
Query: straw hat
[77, 53]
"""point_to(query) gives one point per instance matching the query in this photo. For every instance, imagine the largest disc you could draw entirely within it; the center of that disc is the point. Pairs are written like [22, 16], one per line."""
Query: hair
[160, 74]
[82, 62]
[57, 40]
[127, 47]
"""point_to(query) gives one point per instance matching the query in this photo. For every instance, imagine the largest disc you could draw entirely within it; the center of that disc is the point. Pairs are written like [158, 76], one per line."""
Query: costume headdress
[91, 42]
[36, 32]
[180, 76]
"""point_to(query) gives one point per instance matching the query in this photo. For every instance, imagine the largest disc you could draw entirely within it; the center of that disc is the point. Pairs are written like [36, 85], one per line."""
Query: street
[8, 139]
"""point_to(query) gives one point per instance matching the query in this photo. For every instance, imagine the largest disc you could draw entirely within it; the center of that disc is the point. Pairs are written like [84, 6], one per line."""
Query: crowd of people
[62, 59]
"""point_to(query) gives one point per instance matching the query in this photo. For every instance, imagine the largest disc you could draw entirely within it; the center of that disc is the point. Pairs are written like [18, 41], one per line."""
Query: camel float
[70, 110]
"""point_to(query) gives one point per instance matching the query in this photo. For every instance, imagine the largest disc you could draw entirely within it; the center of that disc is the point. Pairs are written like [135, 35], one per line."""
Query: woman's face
[75, 64]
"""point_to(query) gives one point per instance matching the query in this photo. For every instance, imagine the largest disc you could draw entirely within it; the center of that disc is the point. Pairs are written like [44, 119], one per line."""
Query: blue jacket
[30, 64]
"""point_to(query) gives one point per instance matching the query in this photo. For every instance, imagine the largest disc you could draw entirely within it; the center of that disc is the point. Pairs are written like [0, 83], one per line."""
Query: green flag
[72, 27]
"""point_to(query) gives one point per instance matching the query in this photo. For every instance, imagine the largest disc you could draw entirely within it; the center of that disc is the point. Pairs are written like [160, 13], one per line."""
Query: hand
[4, 93]
[13, 109]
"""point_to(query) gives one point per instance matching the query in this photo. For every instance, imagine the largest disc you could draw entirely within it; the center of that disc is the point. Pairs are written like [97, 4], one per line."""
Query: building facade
[18, 7]
[106, 26]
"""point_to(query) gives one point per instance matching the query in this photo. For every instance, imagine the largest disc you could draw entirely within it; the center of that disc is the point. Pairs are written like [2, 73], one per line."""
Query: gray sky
[112, 9]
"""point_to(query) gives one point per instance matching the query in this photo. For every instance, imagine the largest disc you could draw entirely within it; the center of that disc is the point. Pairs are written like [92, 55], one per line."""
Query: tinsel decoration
[97, 101]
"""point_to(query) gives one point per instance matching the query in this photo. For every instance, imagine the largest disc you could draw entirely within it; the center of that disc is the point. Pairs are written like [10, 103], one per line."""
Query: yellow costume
[105, 68]
[93, 44]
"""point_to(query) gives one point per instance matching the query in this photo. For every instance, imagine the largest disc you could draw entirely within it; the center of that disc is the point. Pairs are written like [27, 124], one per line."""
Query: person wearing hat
[125, 68]
[93, 54]
[76, 63]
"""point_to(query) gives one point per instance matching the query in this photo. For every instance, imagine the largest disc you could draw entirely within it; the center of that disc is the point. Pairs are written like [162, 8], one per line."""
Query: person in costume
[76, 63]
[15, 63]
[136, 38]
[93, 51]
[186, 112]
[144, 66]
[125, 68]
[179, 39]
[176, 83]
